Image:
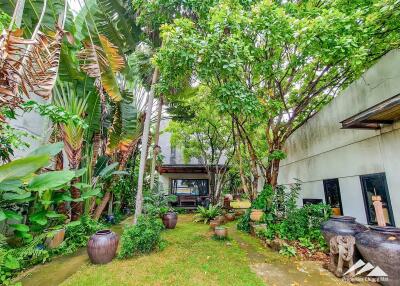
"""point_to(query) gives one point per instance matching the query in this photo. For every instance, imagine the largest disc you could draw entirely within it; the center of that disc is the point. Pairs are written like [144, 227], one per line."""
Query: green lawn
[191, 257]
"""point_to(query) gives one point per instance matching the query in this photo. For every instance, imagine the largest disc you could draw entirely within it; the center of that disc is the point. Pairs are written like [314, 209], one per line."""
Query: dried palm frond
[102, 62]
[45, 62]
[29, 65]
[13, 74]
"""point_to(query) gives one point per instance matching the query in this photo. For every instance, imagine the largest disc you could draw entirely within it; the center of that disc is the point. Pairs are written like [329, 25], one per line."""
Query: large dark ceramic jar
[170, 219]
[341, 225]
[102, 246]
[381, 247]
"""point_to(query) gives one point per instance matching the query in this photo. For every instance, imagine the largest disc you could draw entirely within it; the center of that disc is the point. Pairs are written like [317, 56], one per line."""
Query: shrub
[206, 214]
[244, 222]
[141, 238]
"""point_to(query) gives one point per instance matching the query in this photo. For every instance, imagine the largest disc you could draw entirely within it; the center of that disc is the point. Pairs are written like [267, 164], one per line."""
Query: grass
[191, 257]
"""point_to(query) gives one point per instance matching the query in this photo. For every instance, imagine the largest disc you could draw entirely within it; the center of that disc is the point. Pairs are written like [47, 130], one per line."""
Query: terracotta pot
[256, 215]
[170, 219]
[56, 240]
[230, 216]
[221, 231]
[214, 223]
[221, 219]
[239, 212]
[102, 246]
[341, 225]
[381, 247]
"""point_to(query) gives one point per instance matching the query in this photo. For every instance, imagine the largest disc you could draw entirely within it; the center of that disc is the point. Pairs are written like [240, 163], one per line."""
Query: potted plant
[261, 203]
[170, 218]
[214, 223]
[230, 216]
[207, 214]
[221, 232]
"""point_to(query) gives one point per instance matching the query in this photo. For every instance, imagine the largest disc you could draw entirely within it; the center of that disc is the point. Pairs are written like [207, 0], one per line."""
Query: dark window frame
[365, 198]
[325, 182]
[189, 179]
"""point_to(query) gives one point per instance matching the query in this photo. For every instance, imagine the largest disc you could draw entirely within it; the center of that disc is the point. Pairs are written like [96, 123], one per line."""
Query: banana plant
[19, 184]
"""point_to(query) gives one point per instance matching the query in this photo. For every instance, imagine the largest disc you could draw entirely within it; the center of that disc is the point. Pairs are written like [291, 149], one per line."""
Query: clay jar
[221, 231]
[102, 246]
[214, 223]
[381, 247]
[170, 219]
[341, 225]
[230, 216]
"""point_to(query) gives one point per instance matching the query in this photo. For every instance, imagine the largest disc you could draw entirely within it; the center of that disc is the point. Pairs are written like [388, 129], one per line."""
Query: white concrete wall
[37, 127]
[322, 150]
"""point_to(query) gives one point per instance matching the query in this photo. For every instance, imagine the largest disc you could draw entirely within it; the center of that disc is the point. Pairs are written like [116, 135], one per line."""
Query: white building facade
[350, 150]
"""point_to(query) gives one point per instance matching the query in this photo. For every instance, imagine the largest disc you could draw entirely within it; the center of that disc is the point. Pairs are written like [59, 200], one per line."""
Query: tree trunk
[156, 139]
[143, 153]
[76, 207]
[102, 205]
[273, 168]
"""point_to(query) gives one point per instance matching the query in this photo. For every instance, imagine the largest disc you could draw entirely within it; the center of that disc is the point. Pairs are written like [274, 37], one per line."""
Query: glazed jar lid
[344, 218]
[103, 232]
[386, 229]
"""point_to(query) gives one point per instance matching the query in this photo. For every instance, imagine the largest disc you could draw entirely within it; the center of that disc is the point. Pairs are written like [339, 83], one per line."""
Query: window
[311, 201]
[375, 185]
[332, 195]
[191, 187]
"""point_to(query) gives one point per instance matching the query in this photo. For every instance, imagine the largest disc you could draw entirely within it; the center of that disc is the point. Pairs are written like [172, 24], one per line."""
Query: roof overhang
[375, 117]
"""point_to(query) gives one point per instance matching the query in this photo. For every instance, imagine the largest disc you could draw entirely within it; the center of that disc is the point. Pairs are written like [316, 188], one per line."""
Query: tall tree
[275, 64]
[207, 136]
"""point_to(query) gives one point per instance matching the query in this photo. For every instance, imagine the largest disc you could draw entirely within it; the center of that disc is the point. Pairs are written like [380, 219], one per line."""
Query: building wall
[320, 149]
[36, 126]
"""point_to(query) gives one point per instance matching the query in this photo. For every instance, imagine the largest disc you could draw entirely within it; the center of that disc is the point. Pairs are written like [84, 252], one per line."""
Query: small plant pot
[221, 232]
[214, 223]
[221, 219]
[102, 246]
[169, 220]
[256, 215]
[56, 240]
[230, 216]
[239, 212]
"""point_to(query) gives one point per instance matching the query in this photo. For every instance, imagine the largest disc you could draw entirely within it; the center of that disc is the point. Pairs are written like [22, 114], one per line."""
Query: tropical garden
[234, 78]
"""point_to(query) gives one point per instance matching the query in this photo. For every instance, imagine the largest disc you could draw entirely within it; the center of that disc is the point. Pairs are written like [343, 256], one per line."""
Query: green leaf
[10, 185]
[38, 218]
[13, 215]
[82, 186]
[107, 170]
[91, 193]
[20, 168]
[2, 215]
[11, 262]
[49, 149]
[74, 223]
[51, 180]
[16, 196]
[80, 172]
[53, 214]
[20, 227]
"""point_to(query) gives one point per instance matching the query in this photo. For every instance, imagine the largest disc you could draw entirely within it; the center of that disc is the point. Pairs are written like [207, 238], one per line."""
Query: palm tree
[72, 134]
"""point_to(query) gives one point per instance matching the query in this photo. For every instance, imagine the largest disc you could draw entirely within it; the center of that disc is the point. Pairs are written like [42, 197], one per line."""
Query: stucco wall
[322, 150]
